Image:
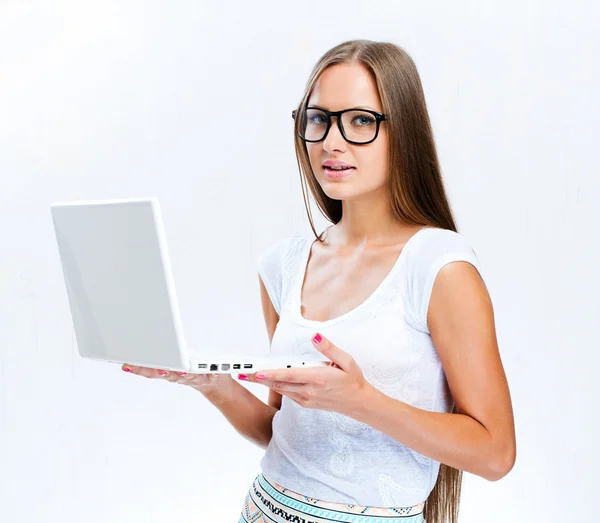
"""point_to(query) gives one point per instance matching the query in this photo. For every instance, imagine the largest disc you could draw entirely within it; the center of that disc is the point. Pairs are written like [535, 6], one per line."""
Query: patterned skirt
[269, 502]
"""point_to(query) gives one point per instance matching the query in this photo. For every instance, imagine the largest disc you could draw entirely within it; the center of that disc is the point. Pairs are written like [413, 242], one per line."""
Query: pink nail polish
[126, 369]
[163, 373]
[243, 377]
[182, 373]
[318, 338]
[261, 377]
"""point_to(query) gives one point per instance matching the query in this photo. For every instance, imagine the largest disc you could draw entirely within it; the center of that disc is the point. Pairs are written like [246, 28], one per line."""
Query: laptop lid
[119, 283]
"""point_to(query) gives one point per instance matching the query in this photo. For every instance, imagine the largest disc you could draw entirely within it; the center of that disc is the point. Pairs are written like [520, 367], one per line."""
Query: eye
[363, 120]
[317, 119]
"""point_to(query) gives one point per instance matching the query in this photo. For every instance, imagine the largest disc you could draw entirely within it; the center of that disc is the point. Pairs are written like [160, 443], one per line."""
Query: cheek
[381, 159]
[313, 155]
[375, 162]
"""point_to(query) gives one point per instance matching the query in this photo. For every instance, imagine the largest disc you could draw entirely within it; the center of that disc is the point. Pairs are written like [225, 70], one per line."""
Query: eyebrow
[313, 106]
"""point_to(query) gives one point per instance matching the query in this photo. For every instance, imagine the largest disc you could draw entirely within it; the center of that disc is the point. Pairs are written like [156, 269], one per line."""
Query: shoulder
[434, 240]
[432, 250]
[278, 251]
[279, 254]
[276, 266]
[274, 249]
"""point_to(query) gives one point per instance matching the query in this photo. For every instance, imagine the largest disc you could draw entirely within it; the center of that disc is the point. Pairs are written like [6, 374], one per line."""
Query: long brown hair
[416, 189]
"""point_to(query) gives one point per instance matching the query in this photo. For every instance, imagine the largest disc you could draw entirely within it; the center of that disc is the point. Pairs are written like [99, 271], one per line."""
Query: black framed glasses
[358, 126]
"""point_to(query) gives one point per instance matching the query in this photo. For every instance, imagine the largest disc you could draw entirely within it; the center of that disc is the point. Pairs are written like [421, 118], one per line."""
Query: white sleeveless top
[330, 456]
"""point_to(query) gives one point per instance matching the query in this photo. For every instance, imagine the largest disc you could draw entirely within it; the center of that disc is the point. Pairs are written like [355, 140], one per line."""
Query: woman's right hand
[206, 383]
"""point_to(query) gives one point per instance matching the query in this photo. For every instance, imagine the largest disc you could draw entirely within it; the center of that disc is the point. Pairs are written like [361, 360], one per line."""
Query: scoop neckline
[301, 275]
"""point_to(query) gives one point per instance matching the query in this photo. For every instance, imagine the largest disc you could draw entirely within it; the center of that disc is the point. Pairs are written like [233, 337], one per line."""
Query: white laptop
[121, 293]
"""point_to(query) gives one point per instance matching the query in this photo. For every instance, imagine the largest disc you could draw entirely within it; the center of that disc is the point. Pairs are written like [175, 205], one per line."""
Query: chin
[347, 190]
[339, 191]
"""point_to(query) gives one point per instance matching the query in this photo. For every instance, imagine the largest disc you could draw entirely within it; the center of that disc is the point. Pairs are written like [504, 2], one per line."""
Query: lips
[336, 168]
[337, 173]
[336, 163]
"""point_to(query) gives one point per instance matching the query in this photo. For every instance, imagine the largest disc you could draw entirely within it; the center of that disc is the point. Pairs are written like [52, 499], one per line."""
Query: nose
[334, 139]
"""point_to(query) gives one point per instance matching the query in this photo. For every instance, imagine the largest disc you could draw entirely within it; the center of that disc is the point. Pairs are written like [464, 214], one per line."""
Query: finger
[200, 380]
[341, 358]
[287, 375]
[173, 377]
[307, 375]
[140, 371]
[186, 378]
[285, 388]
[281, 376]
[146, 372]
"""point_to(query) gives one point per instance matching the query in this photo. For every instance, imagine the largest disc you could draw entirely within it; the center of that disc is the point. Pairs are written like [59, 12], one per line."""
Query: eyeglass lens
[359, 126]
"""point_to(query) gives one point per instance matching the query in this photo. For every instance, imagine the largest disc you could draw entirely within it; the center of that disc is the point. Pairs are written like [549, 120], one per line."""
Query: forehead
[342, 86]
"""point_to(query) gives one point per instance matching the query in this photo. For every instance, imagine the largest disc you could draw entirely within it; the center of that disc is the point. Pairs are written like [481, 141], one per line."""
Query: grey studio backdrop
[191, 102]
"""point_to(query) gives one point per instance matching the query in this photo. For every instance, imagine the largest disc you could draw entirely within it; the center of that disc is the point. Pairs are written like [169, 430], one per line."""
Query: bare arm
[250, 416]
[480, 437]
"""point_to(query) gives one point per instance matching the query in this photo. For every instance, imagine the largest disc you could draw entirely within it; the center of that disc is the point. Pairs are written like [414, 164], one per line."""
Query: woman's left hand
[339, 387]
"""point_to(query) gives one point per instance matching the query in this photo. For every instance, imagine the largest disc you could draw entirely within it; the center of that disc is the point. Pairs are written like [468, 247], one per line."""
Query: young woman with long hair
[394, 296]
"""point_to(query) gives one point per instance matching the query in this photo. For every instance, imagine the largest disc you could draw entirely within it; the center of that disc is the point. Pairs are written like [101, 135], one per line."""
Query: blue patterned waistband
[280, 505]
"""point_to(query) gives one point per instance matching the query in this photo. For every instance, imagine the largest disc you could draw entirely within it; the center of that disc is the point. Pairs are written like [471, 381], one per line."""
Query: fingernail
[318, 338]
[243, 377]
[163, 373]
[261, 377]
[127, 369]
[182, 373]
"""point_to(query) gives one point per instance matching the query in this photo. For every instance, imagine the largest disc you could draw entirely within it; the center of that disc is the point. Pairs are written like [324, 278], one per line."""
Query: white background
[191, 102]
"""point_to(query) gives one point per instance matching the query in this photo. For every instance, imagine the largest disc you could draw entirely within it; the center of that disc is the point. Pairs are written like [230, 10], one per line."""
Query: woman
[393, 295]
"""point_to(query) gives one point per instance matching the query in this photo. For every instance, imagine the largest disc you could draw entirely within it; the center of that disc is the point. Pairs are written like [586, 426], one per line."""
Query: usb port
[214, 366]
[237, 366]
[247, 365]
[225, 366]
[201, 365]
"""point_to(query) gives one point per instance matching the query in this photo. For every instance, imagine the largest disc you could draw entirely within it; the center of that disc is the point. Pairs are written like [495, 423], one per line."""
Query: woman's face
[346, 86]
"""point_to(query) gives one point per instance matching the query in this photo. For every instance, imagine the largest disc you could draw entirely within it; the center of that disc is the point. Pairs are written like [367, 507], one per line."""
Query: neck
[368, 221]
